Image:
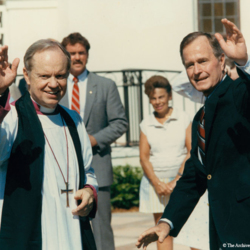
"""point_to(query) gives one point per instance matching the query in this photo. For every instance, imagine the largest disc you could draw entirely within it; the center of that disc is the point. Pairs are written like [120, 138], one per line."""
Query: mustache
[77, 62]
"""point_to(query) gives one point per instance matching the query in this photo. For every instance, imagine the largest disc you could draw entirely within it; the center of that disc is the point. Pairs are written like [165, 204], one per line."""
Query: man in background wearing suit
[220, 155]
[98, 102]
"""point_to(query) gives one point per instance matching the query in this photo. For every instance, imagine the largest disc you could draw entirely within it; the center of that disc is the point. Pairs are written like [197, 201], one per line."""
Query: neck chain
[67, 190]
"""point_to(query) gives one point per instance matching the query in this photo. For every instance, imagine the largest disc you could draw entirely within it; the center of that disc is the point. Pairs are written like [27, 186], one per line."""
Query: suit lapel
[211, 105]
[90, 96]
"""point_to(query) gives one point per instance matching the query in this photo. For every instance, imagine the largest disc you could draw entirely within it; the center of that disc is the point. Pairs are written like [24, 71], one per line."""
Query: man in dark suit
[220, 155]
[98, 102]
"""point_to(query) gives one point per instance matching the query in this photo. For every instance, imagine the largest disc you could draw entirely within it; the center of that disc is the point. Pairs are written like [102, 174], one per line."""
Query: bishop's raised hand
[7, 73]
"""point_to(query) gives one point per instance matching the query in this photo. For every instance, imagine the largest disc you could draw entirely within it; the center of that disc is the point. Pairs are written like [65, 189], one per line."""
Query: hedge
[125, 188]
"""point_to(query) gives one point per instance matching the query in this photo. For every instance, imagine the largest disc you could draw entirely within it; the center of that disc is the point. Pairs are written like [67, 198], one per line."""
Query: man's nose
[77, 56]
[197, 68]
[53, 82]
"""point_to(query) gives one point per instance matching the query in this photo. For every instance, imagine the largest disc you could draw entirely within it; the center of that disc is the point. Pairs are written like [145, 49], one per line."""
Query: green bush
[125, 189]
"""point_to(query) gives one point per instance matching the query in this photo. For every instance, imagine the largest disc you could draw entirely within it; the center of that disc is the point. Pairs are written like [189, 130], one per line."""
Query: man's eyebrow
[187, 63]
[202, 58]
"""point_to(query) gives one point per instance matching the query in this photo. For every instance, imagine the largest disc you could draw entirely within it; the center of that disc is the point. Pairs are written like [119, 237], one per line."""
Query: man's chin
[51, 104]
[47, 102]
[206, 92]
[202, 88]
[77, 71]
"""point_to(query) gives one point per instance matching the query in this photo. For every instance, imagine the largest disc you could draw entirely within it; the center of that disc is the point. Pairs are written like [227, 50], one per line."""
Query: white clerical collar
[43, 109]
[46, 110]
[81, 77]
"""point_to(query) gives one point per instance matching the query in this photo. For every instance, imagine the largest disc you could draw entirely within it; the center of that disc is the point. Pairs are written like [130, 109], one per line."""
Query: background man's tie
[75, 103]
[201, 135]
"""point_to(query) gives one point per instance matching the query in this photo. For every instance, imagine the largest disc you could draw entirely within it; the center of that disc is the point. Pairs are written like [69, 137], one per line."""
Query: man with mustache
[97, 101]
[220, 152]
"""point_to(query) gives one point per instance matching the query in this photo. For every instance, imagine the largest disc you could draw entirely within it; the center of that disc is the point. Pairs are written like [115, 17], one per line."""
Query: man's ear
[87, 57]
[26, 76]
[222, 61]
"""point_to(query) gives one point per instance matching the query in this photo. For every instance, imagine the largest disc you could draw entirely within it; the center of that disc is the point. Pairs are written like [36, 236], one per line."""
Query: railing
[136, 104]
[130, 85]
[2, 23]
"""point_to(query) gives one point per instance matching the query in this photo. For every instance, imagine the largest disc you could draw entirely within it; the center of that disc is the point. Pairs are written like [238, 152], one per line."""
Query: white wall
[132, 34]
[27, 22]
[244, 21]
[123, 34]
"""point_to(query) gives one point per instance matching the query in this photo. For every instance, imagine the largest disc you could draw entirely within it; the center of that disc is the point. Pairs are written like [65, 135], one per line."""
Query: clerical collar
[43, 110]
[81, 77]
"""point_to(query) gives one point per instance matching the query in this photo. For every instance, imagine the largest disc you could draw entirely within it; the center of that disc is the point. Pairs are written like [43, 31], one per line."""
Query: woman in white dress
[165, 143]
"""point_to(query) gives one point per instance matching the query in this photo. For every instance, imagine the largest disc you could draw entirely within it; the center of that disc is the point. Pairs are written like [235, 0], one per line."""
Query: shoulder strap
[76, 140]
[22, 207]
[88, 241]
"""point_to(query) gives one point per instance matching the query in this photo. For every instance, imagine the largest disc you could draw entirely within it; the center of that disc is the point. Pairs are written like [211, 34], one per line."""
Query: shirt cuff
[245, 67]
[168, 222]
[93, 211]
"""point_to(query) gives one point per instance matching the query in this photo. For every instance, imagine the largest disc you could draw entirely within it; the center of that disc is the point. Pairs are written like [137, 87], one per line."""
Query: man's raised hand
[235, 46]
[158, 232]
[7, 74]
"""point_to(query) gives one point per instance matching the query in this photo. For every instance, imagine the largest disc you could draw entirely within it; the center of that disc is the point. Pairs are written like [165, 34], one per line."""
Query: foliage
[125, 189]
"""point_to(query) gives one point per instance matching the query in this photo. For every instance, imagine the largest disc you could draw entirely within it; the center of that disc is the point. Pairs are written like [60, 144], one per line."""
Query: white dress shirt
[82, 83]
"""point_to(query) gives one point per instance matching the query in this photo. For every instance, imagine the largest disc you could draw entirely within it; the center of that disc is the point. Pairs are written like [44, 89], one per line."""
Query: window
[2, 10]
[1, 19]
[1, 40]
[211, 12]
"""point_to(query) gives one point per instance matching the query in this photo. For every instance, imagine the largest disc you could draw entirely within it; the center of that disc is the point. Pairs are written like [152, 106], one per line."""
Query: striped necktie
[75, 103]
[201, 135]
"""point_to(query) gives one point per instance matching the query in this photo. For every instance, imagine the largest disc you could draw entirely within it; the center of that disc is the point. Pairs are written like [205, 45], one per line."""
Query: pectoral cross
[67, 191]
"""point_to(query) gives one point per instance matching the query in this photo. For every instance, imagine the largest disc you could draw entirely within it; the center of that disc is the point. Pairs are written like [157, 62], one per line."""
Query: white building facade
[123, 34]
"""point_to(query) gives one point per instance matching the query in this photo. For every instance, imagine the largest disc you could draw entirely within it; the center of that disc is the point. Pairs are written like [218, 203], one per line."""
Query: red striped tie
[75, 103]
[201, 135]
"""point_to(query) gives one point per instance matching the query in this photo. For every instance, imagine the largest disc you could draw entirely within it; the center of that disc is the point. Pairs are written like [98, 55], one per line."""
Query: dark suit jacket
[105, 119]
[226, 173]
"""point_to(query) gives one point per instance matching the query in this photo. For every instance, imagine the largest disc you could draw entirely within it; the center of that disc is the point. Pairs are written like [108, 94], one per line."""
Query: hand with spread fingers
[86, 196]
[7, 74]
[235, 45]
[158, 232]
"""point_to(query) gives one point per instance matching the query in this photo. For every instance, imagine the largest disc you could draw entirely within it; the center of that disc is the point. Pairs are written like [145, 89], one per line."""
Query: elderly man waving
[47, 185]
[220, 152]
